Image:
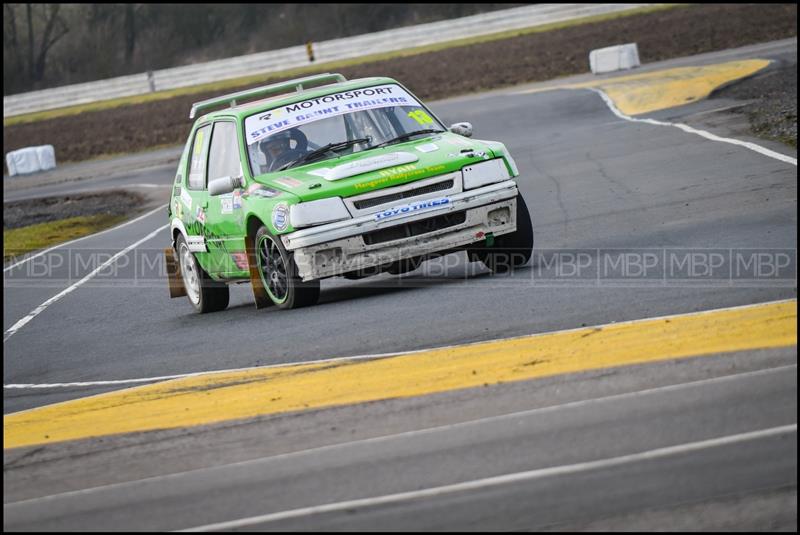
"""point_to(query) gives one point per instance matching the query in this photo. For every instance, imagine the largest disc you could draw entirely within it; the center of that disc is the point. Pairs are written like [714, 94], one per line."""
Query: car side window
[223, 158]
[197, 163]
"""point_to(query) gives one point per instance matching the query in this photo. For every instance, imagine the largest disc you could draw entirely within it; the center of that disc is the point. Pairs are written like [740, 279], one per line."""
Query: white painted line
[283, 457]
[38, 310]
[377, 355]
[195, 374]
[37, 255]
[147, 186]
[686, 128]
[489, 482]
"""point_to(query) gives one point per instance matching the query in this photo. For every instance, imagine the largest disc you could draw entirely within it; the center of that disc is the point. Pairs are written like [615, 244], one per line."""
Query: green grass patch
[262, 77]
[23, 240]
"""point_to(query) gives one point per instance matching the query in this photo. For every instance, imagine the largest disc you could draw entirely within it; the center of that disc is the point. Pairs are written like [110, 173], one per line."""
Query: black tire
[279, 276]
[204, 293]
[512, 250]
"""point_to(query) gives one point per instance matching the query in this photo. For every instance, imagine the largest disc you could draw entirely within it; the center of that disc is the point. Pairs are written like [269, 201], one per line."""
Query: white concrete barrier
[614, 58]
[31, 160]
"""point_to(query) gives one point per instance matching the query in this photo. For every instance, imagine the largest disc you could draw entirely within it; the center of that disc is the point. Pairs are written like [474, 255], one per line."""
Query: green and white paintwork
[225, 233]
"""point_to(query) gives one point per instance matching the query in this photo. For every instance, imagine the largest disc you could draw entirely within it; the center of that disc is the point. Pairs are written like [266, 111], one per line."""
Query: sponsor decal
[370, 164]
[240, 259]
[178, 209]
[421, 206]
[289, 182]
[421, 117]
[264, 192]
[322, 171]
[399, 170]
[280, 217]
[187, 199]
[257, 127]
[257, 190]
[372, 183]
[428, 147]
[237, 199]
[400, 173]
[200, 216]
[226, 204]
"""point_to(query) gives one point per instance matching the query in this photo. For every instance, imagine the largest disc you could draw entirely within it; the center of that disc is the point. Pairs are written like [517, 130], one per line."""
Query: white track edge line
[38, 310]
[478, 484]
[37, 255]
[686, 128]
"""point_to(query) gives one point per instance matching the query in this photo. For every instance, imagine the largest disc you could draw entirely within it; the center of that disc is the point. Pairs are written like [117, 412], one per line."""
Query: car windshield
[336, 124]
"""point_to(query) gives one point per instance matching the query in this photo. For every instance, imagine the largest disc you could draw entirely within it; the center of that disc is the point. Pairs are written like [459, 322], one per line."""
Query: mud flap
[176, 288]
[259, 292]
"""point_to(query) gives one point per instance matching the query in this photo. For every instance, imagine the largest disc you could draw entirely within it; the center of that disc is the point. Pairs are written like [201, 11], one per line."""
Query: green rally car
[319, 177]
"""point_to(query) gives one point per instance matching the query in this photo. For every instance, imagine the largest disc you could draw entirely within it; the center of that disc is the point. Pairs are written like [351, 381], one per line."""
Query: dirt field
[773, 112]
[23, 213]
[535, 57]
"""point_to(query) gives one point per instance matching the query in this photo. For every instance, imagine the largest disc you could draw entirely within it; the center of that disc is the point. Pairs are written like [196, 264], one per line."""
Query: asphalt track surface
[591, 180]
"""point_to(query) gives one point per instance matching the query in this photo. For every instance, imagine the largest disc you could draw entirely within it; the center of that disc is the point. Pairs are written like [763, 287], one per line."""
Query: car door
[193, 197]
[224, 218]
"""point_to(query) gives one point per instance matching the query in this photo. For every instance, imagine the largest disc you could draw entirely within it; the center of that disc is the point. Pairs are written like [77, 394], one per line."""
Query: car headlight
[488, 172]
[318, 212]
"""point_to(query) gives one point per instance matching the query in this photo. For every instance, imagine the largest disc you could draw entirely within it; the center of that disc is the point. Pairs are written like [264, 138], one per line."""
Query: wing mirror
[462, 129]
[223, 185]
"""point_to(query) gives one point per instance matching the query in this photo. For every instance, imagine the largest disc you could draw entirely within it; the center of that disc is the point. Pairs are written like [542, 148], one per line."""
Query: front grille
[375, 201]
[415, 228]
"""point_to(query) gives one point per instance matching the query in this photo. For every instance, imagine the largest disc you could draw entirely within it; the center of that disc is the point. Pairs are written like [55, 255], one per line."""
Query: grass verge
[23, 240]
[238, 82]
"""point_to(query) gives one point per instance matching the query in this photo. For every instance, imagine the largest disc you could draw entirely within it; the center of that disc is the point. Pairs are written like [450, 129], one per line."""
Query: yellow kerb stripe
[242, 394]
[636, 94]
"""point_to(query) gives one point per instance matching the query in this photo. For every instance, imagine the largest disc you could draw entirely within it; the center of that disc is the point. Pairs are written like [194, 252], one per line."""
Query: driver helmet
[275, 144]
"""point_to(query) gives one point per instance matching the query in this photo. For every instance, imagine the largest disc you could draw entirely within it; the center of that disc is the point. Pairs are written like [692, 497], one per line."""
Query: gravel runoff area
[773, 112]
[33, 211]
[534, 57]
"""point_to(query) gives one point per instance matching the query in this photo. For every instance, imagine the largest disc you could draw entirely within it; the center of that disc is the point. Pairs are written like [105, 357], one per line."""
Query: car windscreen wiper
[338, 145]
[403, 137]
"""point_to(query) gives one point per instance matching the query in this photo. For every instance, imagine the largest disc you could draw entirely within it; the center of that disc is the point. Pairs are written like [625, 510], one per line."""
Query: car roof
[245, 109]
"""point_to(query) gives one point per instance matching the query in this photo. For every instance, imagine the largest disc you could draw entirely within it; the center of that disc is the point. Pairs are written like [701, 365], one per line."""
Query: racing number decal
[420, 116]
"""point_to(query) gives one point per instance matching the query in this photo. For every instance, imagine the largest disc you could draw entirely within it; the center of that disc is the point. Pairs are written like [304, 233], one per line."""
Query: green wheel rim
[272, 269]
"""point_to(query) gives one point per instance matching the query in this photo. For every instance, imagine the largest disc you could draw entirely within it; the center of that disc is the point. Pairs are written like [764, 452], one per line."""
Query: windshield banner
[265, 124]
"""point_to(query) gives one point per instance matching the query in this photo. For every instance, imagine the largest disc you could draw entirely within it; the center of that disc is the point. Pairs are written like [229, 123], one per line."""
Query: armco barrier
[294, 57]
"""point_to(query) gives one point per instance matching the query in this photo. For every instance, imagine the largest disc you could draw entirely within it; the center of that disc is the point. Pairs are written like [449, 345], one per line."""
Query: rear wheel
[512, 250]
[279, 274]
[204, 293]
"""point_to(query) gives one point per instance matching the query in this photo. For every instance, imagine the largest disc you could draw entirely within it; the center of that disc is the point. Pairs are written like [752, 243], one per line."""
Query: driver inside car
[278, 151]
[273, 147]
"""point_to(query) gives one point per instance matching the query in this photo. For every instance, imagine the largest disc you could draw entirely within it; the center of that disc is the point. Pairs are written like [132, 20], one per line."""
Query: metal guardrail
[296, 56]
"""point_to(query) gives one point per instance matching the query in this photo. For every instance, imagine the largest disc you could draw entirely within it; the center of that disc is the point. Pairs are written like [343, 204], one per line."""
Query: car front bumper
[345, 246]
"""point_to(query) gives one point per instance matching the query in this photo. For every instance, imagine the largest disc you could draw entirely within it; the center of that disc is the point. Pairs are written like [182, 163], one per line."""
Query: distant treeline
[48, 45]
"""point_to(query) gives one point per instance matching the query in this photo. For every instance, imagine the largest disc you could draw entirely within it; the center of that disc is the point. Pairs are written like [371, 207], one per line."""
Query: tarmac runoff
[222, 396]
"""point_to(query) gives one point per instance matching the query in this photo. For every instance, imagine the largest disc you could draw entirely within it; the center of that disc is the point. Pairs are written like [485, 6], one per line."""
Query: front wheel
[204, 293]
[512, 250]
[279, 274]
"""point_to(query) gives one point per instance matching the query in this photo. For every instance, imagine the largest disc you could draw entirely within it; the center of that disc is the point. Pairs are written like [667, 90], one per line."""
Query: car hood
[376, 169]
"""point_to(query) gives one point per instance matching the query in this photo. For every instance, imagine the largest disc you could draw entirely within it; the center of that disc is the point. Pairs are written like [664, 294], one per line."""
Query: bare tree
[43, 27]
[130, 31]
